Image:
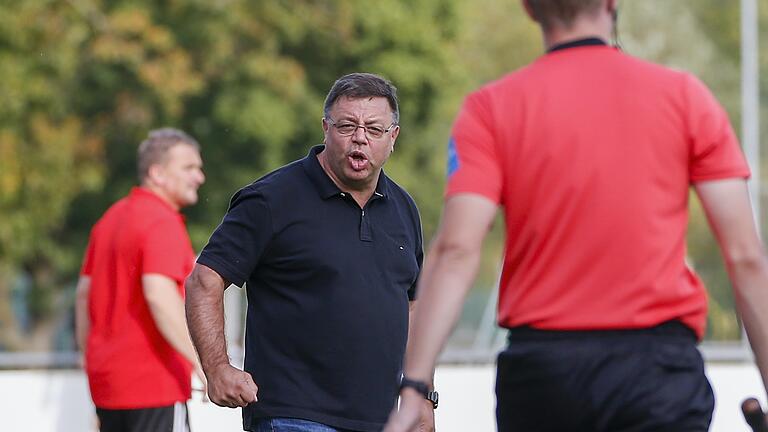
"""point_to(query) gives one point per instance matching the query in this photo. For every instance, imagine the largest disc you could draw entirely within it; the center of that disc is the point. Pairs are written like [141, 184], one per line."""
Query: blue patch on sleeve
[453, 157]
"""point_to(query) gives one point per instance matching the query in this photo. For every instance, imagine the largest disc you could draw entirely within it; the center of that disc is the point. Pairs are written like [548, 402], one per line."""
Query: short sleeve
[714, 149]
[167, 250]
[419, 251]
[473, 162]
[87, 267]
[235, 247]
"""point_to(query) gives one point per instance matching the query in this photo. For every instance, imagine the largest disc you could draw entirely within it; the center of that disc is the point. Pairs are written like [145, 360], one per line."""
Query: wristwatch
[422, 388]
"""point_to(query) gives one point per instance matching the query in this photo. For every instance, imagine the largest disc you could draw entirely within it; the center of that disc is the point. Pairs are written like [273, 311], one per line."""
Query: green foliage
[83, 80]
[86, 80]
[48, 153]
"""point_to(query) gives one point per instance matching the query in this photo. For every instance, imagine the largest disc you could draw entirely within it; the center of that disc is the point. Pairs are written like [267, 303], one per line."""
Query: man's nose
[359, 136]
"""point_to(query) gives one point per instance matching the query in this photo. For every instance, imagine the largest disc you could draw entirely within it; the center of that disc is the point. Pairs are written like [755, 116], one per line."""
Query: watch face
[434, 398]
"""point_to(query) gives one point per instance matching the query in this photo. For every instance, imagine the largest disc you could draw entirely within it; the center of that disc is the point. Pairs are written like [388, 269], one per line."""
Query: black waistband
[674, 329]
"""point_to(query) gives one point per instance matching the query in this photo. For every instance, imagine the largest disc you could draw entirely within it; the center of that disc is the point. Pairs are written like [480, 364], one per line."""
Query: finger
[237, 402]
[244, 396]
[248, 396]
[223, 403]
[229, 399]
[252, 390]
[249, 381]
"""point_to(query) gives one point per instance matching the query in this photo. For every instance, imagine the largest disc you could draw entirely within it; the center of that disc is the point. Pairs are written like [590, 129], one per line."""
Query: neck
[161, 194]
[361, 192]
[582, 28]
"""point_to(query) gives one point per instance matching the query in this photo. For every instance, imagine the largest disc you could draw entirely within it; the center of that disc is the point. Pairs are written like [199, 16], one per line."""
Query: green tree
[48, 154]
[88, 78]
[83, 80]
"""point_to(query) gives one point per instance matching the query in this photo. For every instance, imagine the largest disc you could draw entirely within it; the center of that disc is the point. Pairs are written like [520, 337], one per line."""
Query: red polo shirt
[128, 362]
[591, 153]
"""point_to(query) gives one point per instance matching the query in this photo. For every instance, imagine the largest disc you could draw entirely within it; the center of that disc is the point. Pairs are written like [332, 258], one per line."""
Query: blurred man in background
[130, 309]
[591, 154]
[330, 249]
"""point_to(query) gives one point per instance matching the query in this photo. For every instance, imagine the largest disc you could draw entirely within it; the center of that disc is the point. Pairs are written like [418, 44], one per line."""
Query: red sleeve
[167, 250]
[714, 149]
[473, 159]
[87, 267]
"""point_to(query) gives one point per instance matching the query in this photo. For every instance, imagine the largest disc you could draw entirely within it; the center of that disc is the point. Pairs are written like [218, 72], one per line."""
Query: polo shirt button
[343, 194]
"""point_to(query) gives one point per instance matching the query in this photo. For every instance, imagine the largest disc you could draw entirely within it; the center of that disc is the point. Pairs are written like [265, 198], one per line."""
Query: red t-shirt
[591, 153]
[128, 362]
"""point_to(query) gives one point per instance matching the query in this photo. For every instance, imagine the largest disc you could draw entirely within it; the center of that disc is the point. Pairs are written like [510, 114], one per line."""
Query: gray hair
[154, 149]
[361, 85]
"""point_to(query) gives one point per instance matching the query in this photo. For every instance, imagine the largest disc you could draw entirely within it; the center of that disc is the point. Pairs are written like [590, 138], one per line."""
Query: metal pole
[750, 108]
[750, 103]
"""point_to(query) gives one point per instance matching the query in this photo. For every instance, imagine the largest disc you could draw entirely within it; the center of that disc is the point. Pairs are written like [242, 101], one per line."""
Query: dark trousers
[600, 381]
[171, 418]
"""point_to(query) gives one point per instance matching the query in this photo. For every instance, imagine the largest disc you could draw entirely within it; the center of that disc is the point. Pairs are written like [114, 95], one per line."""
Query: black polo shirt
[328, 285]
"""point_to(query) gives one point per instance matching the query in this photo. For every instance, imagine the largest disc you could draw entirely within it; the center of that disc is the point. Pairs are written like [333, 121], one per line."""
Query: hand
[231, 387]
[427, 418]
[415, 414]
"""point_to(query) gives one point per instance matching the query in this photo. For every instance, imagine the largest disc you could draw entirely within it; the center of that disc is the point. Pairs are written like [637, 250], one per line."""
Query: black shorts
[171, 418]
[599, 381]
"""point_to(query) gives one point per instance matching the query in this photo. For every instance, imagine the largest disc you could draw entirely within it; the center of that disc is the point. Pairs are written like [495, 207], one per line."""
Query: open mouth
[358, 160]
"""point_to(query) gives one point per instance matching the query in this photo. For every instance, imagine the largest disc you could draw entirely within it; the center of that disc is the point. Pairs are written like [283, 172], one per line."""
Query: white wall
[58, 401]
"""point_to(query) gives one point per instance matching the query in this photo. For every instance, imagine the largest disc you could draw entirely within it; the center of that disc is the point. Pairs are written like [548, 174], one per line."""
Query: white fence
[58, 400]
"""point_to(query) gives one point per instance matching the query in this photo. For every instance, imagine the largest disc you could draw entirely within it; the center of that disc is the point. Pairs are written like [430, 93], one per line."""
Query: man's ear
[395, 133]
[155, 174]
[326, 127]
[528, 10]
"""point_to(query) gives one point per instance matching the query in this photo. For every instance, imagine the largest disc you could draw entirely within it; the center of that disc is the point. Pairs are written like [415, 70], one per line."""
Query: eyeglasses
[345, 128]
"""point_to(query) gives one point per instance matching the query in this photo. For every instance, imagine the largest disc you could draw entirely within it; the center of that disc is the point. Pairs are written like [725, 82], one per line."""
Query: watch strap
[422, 388]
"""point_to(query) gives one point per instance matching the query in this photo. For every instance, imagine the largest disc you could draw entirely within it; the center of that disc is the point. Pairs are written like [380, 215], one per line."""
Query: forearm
[169, 318]
[411, 309]
[750, 280]
[729, 211]
[205, 317]
[82, 322]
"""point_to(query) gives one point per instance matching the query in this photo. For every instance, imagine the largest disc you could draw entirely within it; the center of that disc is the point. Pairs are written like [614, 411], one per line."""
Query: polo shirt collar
[139, 192]
[590, 41]
[325, 186]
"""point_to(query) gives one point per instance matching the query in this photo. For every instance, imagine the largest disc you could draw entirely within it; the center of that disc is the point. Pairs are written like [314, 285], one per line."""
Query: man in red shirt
[130, 297]
[591, 154]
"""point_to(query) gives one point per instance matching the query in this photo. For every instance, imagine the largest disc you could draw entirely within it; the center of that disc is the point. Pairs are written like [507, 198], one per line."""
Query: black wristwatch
[422, 388]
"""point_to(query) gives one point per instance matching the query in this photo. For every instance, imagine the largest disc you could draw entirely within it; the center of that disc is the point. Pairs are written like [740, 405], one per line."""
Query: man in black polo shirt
[330, 249]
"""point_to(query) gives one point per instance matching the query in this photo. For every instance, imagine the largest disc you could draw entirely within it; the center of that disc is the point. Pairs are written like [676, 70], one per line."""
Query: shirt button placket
[365, 227]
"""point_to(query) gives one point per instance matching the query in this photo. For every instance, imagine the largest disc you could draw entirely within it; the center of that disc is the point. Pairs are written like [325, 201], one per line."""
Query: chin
[188, 201]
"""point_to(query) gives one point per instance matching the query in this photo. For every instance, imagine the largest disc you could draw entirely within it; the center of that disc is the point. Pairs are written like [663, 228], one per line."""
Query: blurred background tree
[49, 154]
[82, 81]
